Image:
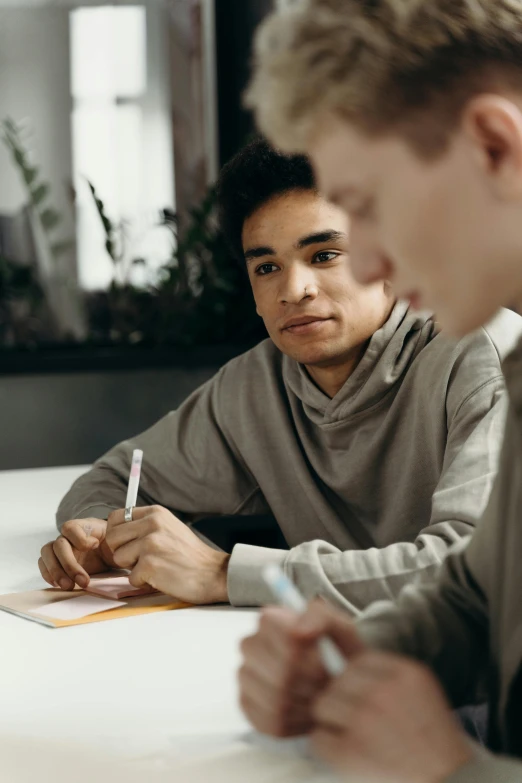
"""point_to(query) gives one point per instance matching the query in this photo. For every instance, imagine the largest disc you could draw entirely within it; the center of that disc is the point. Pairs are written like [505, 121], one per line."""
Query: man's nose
[297, 284]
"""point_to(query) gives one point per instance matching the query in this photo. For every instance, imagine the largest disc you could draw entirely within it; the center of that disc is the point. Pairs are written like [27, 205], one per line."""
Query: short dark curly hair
[257, 174]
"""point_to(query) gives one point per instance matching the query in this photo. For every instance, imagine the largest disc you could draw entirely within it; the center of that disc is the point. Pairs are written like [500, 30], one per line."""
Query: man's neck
[330, 378]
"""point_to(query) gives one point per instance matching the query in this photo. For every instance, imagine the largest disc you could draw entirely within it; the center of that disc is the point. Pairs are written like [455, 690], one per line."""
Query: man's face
[434, 229]
[296, 248]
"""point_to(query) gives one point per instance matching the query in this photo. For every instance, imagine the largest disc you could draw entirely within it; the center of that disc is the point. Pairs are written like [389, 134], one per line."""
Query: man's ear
[493, 124]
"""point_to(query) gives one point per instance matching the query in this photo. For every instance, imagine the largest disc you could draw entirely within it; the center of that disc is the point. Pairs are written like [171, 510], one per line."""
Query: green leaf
[40, 193]
[19, 158]
[109, 247]
[50, 219]
[107, 224]
[30, 173]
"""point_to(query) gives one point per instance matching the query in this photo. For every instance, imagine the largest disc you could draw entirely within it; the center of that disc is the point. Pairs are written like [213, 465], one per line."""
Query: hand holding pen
[289, 662]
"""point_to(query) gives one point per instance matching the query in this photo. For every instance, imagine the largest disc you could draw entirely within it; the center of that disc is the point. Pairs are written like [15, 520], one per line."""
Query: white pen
[134, 483]
[287, 594]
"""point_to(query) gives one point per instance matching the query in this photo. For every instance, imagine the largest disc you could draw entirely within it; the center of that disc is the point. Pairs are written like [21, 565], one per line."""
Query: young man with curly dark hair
[370, 437]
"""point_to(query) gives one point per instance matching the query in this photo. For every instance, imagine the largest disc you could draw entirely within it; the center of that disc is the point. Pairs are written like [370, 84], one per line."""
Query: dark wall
[236, 21]
[73, 418]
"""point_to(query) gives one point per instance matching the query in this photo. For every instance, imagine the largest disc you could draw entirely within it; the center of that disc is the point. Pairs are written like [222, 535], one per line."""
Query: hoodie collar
[391, 351]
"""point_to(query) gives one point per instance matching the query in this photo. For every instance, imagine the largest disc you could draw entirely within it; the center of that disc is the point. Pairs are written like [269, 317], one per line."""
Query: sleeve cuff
[246, 586]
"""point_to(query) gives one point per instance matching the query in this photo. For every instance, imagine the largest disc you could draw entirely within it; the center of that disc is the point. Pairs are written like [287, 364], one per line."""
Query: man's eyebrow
[321, 238]
[259, 252]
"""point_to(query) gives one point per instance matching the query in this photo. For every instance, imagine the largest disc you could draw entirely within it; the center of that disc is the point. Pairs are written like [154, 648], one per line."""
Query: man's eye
[265, 269]
[324, 256]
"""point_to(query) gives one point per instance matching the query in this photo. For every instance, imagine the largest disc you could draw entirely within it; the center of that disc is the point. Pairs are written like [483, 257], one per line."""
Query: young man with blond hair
[412, 113]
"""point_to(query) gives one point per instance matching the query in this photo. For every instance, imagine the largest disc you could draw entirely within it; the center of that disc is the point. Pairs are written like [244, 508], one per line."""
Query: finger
[258, 716]
[147, 571]
[140, 575]
[275, 651]
[123, 534]
[337, 707]
[277, 628]
[278, 700]
[68, 561]
[84, 534]
[54, 568]
[45, 573]
[257, 690]
[260, 652]
[281, 627]
[127, 556]
[268, 722]
[323, 620]
[278, 623]
[359, 690]
[291, 673]
[380, 664]
[117, 517]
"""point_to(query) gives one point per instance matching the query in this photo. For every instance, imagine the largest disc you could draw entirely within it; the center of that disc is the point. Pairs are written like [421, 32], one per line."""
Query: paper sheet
[76, 608]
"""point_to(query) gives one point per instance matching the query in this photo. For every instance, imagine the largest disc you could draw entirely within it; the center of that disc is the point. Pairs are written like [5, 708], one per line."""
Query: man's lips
[304, 324]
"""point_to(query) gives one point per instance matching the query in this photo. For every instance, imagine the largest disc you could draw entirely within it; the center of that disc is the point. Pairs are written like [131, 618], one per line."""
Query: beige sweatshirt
[370, 488]
[467, 625]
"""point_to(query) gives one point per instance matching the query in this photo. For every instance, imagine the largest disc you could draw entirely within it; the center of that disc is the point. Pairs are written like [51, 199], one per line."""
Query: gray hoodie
[467, 624]
[370, 488]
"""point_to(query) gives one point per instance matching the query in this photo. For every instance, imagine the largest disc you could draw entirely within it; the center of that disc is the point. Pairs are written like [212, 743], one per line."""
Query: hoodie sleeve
[190, 466]
[354, 579]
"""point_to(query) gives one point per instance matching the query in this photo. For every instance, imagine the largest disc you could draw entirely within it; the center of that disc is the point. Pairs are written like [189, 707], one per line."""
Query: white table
[135, 684]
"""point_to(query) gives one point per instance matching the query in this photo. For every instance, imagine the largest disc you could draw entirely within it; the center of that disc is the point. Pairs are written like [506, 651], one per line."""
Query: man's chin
[311, 355]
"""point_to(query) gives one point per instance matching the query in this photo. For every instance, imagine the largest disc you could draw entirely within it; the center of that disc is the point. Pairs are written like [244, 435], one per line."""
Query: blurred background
[118, 296]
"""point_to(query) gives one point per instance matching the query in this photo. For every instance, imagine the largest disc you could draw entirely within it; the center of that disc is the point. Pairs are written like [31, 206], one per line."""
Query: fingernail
[95, 544]
[82, 581]
[65, 583]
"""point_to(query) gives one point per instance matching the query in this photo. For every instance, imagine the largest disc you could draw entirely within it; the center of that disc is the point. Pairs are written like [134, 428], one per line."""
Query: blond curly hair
[408, 66]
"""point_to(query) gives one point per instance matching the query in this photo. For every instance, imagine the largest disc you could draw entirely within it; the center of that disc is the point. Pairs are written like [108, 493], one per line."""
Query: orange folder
[27, 604]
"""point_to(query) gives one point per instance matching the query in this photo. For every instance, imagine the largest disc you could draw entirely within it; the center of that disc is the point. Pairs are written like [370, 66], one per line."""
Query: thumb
[323, 620]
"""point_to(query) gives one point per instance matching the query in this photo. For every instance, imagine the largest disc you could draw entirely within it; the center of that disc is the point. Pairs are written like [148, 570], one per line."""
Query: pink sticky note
[116, 587]
[76, 608]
